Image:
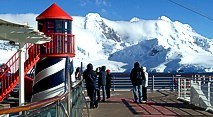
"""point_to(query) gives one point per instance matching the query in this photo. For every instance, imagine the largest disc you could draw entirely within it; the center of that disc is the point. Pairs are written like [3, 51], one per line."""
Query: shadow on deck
[160, 104]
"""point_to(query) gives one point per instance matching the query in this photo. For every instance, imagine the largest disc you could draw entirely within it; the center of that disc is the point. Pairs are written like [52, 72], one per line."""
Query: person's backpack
[139, 74]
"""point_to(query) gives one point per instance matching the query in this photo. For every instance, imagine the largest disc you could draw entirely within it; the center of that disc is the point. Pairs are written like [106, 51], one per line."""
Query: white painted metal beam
[21, 34]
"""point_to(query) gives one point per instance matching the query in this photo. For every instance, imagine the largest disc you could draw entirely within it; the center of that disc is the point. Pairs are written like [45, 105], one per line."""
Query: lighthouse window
[59, 26]
[50, 26]
[40, 26]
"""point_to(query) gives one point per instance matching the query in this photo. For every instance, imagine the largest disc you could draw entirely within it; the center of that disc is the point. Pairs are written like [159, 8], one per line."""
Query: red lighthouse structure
[56, 23]
[52, 72]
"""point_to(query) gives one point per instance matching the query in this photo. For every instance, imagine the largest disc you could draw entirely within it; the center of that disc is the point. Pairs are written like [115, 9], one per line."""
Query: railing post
[179, 83]
[21, 75]
[173, 82]
[199, 84]
[204, 79]
[191, 81]
[184, 81]
[153, 83]
[69, 83]
[81, 72]
[113, 83]
[58, 109]
[209, 91]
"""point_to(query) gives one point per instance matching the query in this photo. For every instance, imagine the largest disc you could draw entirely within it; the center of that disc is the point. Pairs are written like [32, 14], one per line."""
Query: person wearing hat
[144, 84]
[108, 83]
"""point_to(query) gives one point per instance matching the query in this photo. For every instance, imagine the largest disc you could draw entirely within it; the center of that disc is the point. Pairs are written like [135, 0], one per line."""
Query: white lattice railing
[196, 90]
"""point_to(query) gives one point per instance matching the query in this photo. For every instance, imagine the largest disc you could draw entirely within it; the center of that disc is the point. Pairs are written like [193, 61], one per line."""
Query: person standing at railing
[136, 79]
[90, 78]
[144, 84]
[108, 83]
[77, 74]
[99, 83]
[102, 79]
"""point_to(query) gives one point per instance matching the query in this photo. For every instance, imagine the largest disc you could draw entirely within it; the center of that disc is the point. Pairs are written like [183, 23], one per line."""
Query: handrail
[196, 90]
[65, 46]
[45, 102]
[33, 105]
[66, 113]
[9, 77]
[74, 86]
[75, 98]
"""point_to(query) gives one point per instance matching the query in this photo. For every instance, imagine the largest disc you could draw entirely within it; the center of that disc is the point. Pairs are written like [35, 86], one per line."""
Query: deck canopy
[21, 33]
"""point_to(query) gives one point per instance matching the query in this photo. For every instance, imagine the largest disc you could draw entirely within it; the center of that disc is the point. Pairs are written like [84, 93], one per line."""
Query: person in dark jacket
[99, 83]
[90, 78]
[102, 81]
[77, 74]
[108, 83]
[136, 79]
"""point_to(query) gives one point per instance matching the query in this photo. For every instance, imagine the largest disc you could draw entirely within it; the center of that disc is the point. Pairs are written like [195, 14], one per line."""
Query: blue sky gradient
[124, 10]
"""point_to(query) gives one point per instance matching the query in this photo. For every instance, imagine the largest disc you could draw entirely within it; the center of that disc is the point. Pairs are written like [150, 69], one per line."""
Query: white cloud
[102, 2]
[29, 19]
[103, 11]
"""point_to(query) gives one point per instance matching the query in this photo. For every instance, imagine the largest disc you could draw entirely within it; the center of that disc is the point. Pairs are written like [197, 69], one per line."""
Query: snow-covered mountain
[161, 45]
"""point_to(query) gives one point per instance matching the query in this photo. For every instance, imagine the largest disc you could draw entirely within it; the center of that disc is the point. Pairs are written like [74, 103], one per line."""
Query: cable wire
[201, 14]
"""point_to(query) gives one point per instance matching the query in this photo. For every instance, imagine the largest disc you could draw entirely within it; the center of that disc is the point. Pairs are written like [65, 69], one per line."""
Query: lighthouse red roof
[54, 12]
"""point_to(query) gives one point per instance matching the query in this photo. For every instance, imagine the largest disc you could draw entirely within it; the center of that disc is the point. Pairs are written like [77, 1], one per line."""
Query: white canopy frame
[21, 34]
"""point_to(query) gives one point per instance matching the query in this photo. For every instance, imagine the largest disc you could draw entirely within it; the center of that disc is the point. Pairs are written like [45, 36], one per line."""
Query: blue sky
[124, 10]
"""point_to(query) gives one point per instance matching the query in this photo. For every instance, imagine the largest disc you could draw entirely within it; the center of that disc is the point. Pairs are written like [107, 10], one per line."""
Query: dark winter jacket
[108, 80]
[90, 77]
[102, 76]
[133, 75]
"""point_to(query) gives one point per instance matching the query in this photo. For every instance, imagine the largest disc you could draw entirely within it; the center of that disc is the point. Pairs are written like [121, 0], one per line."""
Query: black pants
[92, 95]
[144, 93]
[98, 94]
[108, 91]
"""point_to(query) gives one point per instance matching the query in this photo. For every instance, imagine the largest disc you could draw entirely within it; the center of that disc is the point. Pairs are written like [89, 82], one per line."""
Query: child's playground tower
[54, 68]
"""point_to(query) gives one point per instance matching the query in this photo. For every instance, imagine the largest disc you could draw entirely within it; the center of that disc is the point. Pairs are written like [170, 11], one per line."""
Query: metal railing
[79, 102]
[196, 90]
[61, 45]
[9, 72]
[122, 82]
[184, 86]
[57, 106]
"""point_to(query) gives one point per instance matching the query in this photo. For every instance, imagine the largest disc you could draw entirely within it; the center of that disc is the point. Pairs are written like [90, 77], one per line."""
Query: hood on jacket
[103, 68]
[136, 65]
[144, 69]
[89, 66]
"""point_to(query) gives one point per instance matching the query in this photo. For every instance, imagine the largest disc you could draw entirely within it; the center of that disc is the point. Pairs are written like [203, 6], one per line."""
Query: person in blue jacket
[102, 76]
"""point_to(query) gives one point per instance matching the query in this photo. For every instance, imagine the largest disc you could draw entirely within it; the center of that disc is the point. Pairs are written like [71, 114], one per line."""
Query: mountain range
[161, 45]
